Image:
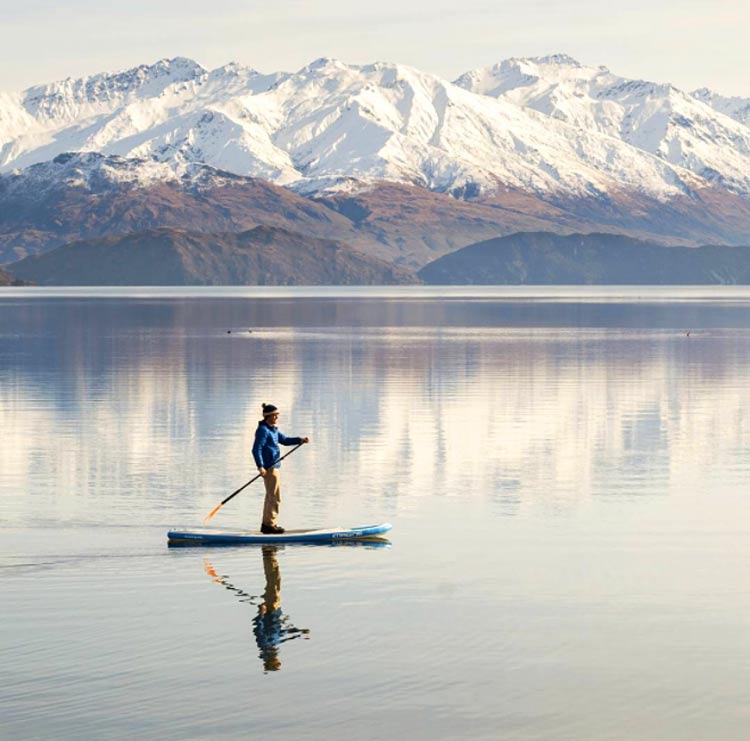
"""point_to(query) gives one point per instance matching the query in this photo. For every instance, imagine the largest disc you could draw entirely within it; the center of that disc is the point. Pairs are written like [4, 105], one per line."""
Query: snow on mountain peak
[732, 106]
[559, 59]
[233, 69]
[96, 173]
[72, 99]
[89, 171]
[653, 117]
[324, 64]
[540, 124]
[179, 68]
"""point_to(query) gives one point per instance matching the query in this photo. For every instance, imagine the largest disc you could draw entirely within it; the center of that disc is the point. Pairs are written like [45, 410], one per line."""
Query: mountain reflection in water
[143, 388]
[567, 480]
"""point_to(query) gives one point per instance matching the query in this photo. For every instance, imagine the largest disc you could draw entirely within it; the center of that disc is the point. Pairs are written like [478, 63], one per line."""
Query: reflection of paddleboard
[237, 537]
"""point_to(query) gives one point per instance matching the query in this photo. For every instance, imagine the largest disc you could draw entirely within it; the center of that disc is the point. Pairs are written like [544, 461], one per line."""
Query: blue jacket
[266, 446]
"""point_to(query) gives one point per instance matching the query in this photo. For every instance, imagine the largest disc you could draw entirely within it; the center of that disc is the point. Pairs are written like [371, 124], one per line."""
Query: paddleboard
[209, 536]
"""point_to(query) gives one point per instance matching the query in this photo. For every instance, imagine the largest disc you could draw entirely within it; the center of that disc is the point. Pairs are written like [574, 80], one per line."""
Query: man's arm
[260, 436]
[284, 440]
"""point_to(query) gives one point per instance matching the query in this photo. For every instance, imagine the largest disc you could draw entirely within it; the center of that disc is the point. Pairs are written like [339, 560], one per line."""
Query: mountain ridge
[541, 258]
[259, 256]
[331, 122]
[398, 163]
[87, 195]
[691, 131]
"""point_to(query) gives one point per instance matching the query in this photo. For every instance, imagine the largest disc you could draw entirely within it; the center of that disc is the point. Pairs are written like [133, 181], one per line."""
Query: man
[266, 453]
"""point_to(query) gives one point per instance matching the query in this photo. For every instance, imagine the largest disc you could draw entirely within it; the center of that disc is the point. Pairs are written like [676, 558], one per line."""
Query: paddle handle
[244, 486]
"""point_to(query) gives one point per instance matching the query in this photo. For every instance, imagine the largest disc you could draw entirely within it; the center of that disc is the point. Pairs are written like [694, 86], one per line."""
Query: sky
[690, 43]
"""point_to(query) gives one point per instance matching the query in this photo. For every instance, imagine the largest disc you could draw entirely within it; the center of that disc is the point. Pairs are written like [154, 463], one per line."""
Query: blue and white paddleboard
[237, 537]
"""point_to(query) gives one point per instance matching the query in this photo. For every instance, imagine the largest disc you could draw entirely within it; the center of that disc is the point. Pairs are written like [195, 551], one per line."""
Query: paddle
[235, 493]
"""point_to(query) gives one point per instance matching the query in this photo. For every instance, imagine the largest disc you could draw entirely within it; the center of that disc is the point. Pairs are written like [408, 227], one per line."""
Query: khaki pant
[272, 481]
[272, 595]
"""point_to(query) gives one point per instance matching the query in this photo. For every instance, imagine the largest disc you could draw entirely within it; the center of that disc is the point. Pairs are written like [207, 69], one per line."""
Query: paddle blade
[212, 513]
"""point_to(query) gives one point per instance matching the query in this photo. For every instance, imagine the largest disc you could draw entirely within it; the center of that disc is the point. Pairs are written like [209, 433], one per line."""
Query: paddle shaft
[244, 486]
[255, 478]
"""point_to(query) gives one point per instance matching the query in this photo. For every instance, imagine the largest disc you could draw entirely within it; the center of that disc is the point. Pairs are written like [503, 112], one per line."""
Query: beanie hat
[269, 409]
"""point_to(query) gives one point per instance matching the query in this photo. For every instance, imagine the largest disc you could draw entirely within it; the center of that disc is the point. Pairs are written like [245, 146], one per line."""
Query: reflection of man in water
[270, 625]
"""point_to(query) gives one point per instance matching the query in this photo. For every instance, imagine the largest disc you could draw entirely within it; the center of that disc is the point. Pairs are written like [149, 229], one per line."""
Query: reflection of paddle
[253, 599]
[235, 493]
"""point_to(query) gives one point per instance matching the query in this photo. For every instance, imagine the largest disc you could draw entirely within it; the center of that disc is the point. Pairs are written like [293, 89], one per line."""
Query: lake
[566, 471]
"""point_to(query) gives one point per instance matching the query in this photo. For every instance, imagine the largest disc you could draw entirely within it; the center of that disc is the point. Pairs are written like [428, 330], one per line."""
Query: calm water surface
[567, 476]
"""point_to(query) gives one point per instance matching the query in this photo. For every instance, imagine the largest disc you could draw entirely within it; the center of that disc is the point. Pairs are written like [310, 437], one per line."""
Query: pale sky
[691, 43]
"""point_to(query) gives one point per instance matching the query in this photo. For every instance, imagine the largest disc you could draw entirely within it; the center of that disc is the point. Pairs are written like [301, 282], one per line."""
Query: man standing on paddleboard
[266, 453]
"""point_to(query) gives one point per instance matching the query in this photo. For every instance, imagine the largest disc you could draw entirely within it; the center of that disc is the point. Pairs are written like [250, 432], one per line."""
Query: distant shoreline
[645, 293]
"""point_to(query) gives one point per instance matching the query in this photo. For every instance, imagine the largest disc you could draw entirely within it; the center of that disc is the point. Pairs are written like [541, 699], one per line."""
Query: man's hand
[305, 439]
[262, 471]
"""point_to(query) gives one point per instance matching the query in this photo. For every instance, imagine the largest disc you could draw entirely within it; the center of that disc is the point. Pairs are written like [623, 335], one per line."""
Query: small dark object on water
[229, 331]
[688, 334]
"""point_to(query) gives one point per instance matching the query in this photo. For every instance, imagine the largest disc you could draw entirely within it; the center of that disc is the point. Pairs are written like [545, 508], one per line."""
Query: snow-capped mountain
[88, 171]
[86, 195]
[544, 126]
[171, 112]
[703, 133]
[734, 107]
